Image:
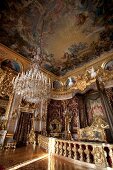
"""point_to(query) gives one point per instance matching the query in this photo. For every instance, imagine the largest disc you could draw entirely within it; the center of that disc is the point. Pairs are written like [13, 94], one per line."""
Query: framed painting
[109, 65]
[12, 64]
[57, 85]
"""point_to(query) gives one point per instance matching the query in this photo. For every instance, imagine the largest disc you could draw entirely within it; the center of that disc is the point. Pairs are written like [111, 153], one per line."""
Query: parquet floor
[9, 158]
[53, 164]
[13, 159]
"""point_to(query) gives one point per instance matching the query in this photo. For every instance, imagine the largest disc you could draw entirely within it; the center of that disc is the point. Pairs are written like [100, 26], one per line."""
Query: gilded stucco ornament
[84, 80]
[64, 92]
[95, 132]
[44, 117]
[6, 77]
[32, 139]
[3, 123]
[81, 85]
[2, 75]
[99, 156]
[38, 117]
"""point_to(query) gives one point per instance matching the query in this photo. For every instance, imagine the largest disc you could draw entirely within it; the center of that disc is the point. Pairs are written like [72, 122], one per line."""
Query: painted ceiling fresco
[70, 33]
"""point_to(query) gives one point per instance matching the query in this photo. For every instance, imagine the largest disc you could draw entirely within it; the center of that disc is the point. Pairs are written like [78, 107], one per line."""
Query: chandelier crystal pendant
[32, 85]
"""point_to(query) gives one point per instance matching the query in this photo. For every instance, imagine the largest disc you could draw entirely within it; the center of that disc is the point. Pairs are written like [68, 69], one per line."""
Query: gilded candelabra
[32, 139]
[68, 118]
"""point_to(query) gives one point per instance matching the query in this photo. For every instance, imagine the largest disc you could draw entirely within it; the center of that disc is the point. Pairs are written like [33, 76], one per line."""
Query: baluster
[65, 149]
[87, 152]
[74, 150]
[91, 153]
[56, 147]
[106, 153]
[111, 155]
[60, 148]
[69, 149]
[80, 152]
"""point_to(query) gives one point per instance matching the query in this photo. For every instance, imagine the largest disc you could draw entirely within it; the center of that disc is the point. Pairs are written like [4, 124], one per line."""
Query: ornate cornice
[95, 63]
[6, 52]
[82, 84]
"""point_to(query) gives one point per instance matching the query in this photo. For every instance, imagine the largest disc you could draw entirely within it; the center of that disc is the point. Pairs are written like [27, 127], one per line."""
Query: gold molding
[99, 62]
[8, 53]
[26, 109]
[11, 54]
[106, 61]
[20, 64]
[95, 63]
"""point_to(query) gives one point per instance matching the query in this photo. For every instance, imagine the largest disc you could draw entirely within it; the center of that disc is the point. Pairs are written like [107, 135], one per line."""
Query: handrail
[99, 154]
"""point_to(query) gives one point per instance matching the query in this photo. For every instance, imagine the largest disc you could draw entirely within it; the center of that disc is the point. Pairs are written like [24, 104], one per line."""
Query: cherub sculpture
[92, 72]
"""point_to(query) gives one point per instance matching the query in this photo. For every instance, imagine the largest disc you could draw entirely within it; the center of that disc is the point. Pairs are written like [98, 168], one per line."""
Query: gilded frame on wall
[108, 65]
[95, 132]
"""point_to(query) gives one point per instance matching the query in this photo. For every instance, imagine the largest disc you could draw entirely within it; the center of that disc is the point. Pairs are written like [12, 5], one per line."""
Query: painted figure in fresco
[39, 19]
[81, 19]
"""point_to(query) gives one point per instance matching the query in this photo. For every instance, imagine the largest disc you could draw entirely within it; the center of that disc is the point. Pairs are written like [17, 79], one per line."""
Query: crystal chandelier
[32, 85]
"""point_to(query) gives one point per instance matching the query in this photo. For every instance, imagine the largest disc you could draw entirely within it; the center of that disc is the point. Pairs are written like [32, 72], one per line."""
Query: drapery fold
[82, 112]
[108, 110]
[23, 128]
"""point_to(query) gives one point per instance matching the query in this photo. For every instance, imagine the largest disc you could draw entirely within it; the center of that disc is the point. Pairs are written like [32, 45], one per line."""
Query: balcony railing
[95, 154]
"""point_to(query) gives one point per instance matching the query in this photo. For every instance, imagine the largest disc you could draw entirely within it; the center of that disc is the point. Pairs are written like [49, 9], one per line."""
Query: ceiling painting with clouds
[70, 33]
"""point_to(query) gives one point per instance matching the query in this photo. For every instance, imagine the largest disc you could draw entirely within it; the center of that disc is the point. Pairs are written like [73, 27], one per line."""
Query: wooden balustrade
[99, 154]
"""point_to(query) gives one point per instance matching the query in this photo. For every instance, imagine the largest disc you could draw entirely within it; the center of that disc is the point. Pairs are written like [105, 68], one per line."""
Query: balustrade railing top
[98, 154]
